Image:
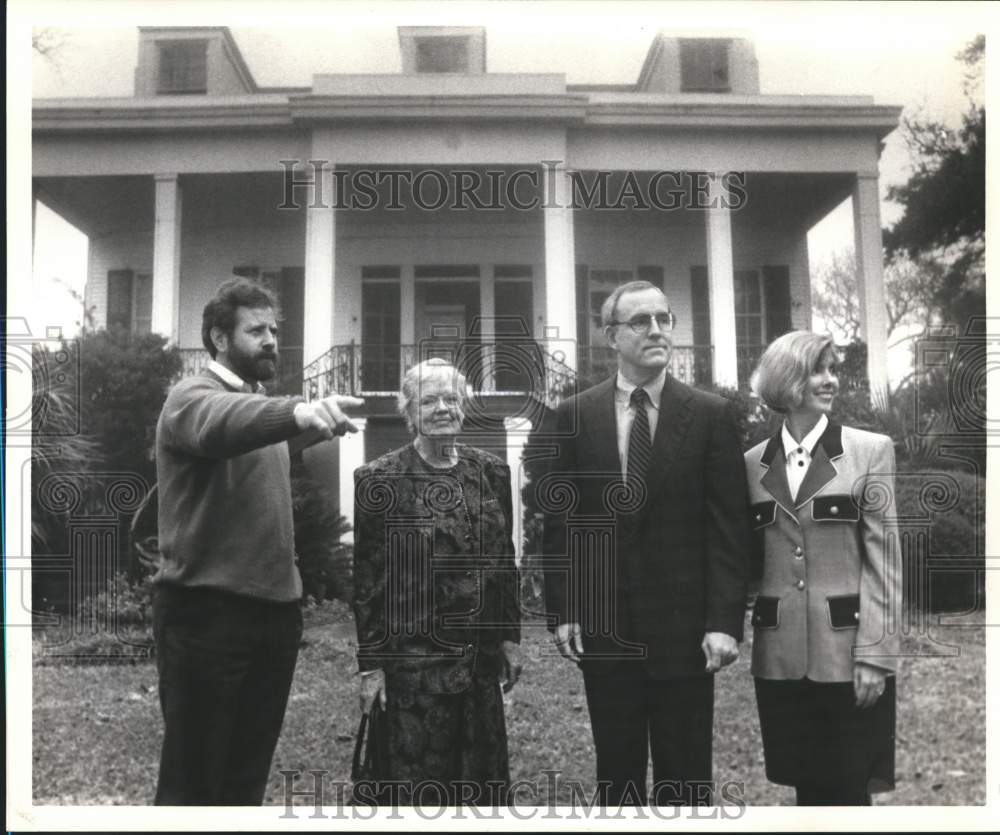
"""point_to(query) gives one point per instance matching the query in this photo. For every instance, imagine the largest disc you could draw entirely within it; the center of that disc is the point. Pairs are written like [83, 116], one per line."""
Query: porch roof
[387, 104]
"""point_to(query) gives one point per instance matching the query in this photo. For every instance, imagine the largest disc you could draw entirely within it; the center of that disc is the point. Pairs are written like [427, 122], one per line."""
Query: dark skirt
[814, 734]
[446, 748]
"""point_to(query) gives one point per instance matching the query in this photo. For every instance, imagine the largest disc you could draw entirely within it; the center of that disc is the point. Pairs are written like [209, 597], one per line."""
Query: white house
[450, 209]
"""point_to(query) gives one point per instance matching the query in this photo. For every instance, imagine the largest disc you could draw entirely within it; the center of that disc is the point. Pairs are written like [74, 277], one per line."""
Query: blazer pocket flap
[845, 611]
[762, 514]
[840, 508]
[765, 613]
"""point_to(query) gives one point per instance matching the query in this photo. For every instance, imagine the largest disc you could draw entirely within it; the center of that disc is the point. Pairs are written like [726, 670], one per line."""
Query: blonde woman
[825, 620]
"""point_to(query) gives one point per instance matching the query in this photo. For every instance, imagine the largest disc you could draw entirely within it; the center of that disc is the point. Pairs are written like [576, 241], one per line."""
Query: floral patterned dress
[435, 595]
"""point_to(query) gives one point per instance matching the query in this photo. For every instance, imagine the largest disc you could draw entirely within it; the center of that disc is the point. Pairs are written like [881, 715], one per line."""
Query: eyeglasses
[642, 323]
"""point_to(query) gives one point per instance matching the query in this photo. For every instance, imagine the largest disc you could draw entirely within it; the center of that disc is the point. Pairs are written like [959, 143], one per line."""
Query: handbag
[371, 748]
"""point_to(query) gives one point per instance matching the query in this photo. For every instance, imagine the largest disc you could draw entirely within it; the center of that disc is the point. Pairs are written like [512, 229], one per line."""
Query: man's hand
[511, 665]
[326, 416]
[569, 641]
[372, 688]
[720, 649]
[869, 684]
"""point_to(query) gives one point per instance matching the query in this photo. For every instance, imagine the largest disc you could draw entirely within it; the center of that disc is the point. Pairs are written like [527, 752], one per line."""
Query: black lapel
[774, 478]
[598, 440]
[821, 469]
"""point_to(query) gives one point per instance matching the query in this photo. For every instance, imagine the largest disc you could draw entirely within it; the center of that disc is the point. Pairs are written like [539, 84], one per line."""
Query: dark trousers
[632, 715]
[225, 664]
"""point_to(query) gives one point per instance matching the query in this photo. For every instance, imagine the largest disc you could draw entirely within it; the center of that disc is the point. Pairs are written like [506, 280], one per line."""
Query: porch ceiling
[99, 205]
[103, 205]
[801, 199]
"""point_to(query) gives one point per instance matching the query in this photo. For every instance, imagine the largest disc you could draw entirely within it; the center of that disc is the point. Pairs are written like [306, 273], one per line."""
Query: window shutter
[701, 325]
[777, 301]
[654, 275]
[142, 308]
[119, 299]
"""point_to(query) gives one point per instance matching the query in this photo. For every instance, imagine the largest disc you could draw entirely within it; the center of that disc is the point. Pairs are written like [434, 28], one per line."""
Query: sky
[898, 53]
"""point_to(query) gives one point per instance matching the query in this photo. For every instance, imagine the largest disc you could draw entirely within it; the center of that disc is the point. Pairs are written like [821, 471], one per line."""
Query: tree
[911, 284]
[47, 43]
[944, 200]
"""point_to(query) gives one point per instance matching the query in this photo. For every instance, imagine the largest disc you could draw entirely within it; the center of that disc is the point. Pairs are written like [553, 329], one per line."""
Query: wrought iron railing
[691, 364]
[522, 367]
[194, 361]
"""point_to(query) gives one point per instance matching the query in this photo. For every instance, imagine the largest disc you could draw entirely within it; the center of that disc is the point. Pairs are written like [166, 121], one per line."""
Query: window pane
[442, 55]
[183, 66]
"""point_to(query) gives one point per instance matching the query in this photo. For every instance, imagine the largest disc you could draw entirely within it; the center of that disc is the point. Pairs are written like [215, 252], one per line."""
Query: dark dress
[435, 595]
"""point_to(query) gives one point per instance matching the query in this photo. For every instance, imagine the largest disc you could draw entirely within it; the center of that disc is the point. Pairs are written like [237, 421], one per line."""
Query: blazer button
[798, 552]
[758, 517]
[834, 510]
[857, 616]
[801, 584]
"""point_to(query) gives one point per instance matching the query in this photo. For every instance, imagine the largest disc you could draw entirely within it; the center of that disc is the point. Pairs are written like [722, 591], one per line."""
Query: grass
[96, 728]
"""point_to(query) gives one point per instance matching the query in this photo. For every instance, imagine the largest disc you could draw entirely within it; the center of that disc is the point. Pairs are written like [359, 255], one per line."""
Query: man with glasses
[646, 569]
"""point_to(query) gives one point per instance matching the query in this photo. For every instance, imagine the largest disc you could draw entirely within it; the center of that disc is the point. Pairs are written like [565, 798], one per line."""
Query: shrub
[325, 564]
[109, 400]
[113, 624]
[953, 504]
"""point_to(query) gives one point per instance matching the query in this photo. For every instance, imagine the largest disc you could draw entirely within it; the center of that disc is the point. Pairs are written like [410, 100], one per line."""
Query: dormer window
[704, 65]
[183, 67]
[442, 54]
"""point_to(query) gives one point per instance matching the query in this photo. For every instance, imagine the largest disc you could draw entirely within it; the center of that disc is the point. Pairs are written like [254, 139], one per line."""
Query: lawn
[96, 728]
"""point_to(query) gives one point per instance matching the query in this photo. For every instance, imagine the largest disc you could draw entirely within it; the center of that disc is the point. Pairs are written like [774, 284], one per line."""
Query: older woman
[825, 620]
[436, 599]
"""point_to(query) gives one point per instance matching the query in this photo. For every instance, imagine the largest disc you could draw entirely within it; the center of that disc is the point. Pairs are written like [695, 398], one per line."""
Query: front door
[446, 310]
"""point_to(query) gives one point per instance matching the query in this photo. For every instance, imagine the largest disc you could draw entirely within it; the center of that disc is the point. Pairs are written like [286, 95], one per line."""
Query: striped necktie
[640, 445]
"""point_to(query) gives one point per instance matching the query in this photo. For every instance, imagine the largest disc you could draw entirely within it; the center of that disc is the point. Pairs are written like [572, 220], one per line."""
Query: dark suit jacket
[647, 576]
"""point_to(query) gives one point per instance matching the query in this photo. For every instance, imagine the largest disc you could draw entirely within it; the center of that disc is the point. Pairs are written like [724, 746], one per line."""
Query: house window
[442, 54]
[763, 313]
[130, 301]
[518, 363]
[183, 67]
[704, 65]
[750, 323]
[380, 328]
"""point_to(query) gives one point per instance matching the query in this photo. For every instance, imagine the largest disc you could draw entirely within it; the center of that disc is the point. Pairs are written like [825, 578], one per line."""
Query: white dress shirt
[625, 411]
[798, 456]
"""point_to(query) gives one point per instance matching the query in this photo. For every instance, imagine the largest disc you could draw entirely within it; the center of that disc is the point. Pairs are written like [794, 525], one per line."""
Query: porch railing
[501, 368]
[194, 361]
[691, 364]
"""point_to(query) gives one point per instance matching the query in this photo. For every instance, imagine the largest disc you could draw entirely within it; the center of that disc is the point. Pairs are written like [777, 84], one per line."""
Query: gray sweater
[225, 507]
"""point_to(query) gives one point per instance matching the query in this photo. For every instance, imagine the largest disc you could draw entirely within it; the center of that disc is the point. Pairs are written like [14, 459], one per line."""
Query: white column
[167, 257]
[407, 318]
[488, 330]
[560, 272]
[517, 429]
[871, 290]
[721, 294]
[321, 237]
[351, 456]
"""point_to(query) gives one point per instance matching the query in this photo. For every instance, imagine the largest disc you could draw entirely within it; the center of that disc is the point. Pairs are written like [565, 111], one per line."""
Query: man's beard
[256, 367]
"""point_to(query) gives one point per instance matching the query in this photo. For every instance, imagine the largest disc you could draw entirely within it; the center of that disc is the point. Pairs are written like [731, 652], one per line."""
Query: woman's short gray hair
[783, 372]
[410, 387]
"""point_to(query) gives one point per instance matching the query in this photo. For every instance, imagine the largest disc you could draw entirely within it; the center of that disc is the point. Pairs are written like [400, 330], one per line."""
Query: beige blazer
[831, 575]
